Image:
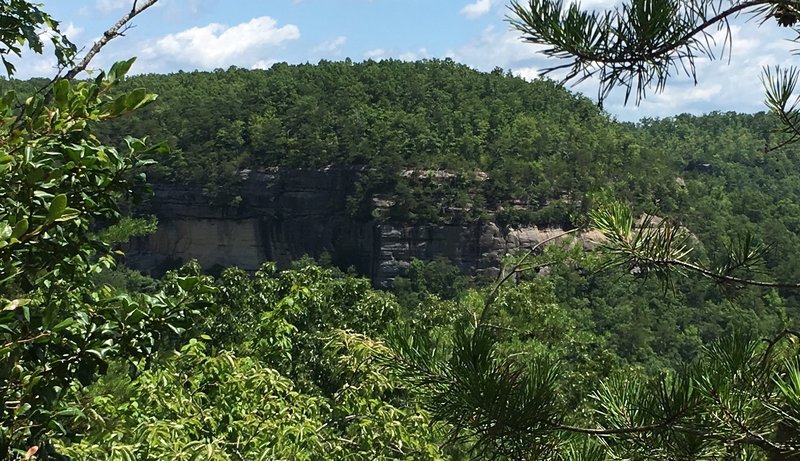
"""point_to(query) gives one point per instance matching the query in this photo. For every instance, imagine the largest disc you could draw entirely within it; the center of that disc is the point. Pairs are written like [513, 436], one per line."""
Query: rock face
[285, 215]
[395, 247]
[281, 217]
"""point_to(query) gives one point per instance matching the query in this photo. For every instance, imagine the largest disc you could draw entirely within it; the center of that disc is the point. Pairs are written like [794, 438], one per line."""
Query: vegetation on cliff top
[538, 145]
[311, 363]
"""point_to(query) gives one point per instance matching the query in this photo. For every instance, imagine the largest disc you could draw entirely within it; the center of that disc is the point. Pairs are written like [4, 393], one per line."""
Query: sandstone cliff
[285, 215]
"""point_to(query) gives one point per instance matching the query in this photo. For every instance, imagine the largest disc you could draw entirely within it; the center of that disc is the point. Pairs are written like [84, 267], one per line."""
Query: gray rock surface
[285, 215]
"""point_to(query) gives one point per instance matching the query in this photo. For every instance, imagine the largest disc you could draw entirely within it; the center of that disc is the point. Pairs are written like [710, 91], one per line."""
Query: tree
[641, 44]
[271, 380]
[59, 329]
[739, 399]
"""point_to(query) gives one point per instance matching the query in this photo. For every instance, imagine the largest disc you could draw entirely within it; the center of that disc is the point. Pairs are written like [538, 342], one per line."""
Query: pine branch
[639, 41]
[725, 279]
[628, 56]
[663, 249]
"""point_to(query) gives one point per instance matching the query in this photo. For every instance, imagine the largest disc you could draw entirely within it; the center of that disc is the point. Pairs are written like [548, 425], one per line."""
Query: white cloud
[421, 53]
[721, 86]
[410, 55]
[33, 65]
[527, 73]
[676, 96]
[107, 6]
[218, 45]
[333, 46]
[71, 31]
[476, 9]
[499, 48]
[377, 53]
[263, 64]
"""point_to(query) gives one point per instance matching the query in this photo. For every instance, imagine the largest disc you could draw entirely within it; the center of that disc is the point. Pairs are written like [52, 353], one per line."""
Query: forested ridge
[548, 157]
[513, 151]
[569, 354]
[538, 144]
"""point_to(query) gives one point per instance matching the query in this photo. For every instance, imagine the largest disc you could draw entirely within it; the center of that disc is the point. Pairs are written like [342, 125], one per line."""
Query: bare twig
[601, 432]
[25, 340]
[117, 30]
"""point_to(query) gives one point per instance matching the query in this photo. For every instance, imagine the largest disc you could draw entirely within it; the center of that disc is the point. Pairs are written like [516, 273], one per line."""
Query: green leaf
[69, 412]
[119, 70]
[22, 409]
[138, 98]
[64, 324]
[20, 228]
[61, 92]
[5, 231]
[8, 100]
[9, 67]
[119, 105]
[57, 207]
[14, 304]
[68, 215]
[187, 283]
[100, 77]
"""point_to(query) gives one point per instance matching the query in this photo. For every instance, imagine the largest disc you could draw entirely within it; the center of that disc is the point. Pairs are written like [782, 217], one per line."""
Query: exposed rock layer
[283, 216]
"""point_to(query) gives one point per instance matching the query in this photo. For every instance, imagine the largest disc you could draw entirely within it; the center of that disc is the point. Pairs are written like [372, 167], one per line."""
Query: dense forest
[437, 136]
[539, 145]
[548, 156]
[569, 354]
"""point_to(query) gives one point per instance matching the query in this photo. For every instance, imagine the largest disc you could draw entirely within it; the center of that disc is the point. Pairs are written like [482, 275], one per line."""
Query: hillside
[412, 160]
[539, 145]
[437, 154]
[431, 137]
[436, 142]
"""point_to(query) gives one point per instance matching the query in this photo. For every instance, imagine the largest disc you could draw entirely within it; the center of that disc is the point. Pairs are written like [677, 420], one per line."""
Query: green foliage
[434, 141]
[24, 22]
[206, 407]
[285, 317]
[730, 402]
[127, 228]
[438, 277]
[272, 379]
[734, 399]
[58, 329]
[575, 356]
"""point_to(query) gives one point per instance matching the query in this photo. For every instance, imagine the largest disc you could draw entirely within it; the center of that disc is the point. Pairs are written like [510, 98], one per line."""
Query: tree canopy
[733, 401]
[607, 354]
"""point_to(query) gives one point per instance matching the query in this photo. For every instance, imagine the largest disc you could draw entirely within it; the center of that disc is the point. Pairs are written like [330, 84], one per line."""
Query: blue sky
[208, 34]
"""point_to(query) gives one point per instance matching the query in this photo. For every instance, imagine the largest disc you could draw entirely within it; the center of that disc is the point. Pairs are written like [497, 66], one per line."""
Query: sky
[209, 34]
